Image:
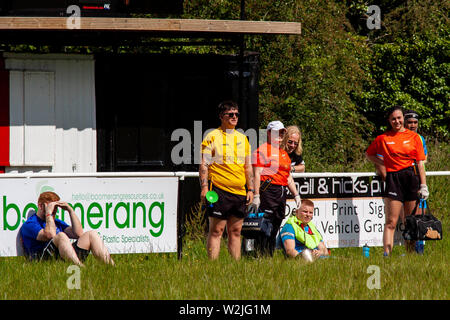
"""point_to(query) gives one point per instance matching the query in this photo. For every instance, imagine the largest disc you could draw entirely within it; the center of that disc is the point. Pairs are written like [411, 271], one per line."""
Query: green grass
[161, 276]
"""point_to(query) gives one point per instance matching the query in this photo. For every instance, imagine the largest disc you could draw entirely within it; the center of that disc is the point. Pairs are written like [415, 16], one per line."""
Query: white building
[51, 107]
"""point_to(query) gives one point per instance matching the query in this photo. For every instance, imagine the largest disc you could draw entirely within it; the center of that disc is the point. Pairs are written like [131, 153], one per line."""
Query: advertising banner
[131, 214]
[348, 212]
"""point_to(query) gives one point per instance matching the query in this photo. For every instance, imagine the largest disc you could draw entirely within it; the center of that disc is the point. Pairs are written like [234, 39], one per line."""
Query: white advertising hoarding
[347, 212]
[131, 214]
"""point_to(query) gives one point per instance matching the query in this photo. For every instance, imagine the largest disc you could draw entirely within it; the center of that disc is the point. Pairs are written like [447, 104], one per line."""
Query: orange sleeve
[373, 148]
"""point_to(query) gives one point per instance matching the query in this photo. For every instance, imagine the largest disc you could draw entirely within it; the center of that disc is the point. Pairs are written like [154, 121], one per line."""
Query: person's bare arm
[291, 185]
[379, 165]
[203, 176]
[49, 231]
[300, 168]
[289, 247]
[422, 174]
[75, 230]
[257, 176]
[249, 179]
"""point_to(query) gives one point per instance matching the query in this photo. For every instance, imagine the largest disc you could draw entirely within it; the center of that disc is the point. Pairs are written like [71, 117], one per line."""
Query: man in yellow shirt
[226, 168]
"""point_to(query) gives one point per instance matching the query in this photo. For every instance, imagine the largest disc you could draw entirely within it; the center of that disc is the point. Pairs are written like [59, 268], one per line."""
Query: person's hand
[250, 196]
[50, 208]
[253, 207]
[256, 200]
[203, 194]
[316, 253]
[63, 205]
[423, 192]
[298, 201]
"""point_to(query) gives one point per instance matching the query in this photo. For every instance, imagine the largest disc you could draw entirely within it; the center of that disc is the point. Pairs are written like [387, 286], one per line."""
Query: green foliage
[410, 65]
[309, 80]
[338, 77]
[195, 224]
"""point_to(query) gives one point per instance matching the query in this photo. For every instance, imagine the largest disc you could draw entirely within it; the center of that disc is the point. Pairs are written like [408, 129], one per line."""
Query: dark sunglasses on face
[232, 114]
[292, 142]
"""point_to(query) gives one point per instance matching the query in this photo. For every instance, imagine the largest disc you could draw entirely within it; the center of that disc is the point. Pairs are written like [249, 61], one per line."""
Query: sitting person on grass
[299, 236]
[46, 237]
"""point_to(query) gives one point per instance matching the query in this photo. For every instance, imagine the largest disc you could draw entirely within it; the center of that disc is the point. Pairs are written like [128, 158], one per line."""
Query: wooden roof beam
[149, 25]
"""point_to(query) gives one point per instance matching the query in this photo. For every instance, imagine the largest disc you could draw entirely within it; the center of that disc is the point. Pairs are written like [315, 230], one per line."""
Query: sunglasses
[292, 142]
[232, 114]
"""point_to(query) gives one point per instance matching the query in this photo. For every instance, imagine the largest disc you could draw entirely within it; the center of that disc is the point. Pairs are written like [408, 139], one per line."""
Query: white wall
[52, 113]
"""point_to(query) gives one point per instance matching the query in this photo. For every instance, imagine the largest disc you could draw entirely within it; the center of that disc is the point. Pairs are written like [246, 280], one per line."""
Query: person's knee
[390, 225]
[216, 232]
[235, 232]
[91, 234]
[61, 238]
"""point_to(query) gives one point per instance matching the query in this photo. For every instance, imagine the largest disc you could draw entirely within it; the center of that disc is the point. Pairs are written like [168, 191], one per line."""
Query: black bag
[422, 226]
[255, 224]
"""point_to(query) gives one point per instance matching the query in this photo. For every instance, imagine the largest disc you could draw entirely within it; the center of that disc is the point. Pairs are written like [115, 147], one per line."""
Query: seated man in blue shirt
[46, 237]
[299, 235]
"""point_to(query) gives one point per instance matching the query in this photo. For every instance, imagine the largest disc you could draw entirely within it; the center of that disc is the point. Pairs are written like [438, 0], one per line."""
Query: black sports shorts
[402, 185]
[273, 201]
[273, 204]
[229, 204]
[51, 252]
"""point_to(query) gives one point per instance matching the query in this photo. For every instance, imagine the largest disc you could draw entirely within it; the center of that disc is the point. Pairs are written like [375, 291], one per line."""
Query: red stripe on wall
[4, 116]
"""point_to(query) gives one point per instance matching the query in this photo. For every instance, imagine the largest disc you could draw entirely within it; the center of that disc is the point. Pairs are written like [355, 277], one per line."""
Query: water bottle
[421, 243]
[249, 245]
[420, 246]
[366, 251]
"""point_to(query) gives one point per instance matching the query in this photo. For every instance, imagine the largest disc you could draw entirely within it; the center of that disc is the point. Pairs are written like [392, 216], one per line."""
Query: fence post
[180, 218]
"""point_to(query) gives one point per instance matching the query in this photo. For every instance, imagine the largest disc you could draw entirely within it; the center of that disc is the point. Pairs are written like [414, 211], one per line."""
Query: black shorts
[50, 251]
[229, 204]
[273, 204]
[273, 201]
[402, 185]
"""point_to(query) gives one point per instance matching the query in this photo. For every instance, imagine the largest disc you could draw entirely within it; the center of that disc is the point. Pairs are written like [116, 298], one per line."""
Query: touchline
[122, 215]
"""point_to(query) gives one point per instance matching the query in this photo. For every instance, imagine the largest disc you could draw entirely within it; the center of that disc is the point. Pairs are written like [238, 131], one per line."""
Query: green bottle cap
[212, 196]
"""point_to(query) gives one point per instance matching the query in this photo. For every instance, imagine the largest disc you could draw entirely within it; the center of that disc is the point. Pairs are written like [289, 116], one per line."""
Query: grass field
[345, 275]
[161, 276]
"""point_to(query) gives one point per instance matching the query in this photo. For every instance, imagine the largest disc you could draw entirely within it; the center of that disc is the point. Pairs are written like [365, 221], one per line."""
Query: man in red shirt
[272, 172]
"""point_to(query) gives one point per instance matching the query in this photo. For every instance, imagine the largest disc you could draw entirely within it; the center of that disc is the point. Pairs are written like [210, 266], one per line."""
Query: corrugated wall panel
[75, 121]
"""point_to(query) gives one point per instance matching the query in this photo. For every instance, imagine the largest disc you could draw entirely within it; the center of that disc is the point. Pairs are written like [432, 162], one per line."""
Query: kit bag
[422, 225]
[256, 224]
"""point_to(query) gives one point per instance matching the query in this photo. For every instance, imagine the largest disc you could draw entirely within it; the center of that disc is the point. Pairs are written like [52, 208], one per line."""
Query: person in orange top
[405, 183]
[272, 173]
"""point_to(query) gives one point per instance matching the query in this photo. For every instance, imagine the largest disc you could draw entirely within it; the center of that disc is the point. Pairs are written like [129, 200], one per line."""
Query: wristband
[252, 190]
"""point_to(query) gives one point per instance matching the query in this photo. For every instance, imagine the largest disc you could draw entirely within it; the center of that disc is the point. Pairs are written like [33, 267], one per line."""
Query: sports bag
[422, 226]
[254, 224]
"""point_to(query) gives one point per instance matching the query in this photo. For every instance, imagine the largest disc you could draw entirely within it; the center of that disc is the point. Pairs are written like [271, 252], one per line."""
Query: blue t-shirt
[30, 230]
[425, 150]
[287, 232]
